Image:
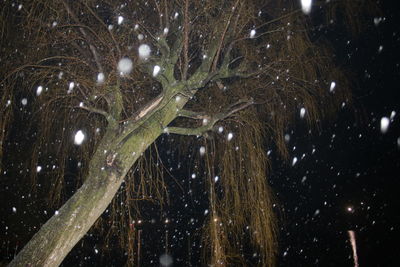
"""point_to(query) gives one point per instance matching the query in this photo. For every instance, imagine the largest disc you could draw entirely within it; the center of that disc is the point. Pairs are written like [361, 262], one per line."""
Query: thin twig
[186, 41]
[101, 22]
[95, 110]
[216, 57]
[83, 31]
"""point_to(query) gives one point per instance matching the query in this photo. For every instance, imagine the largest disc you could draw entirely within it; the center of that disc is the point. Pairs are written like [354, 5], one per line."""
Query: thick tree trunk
[60, 233]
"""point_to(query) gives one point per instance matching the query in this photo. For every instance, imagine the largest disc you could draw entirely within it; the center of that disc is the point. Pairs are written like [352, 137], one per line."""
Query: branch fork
[209, 121]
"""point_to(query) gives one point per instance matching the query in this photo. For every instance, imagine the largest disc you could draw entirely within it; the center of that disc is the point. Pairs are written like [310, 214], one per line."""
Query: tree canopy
[222, 80]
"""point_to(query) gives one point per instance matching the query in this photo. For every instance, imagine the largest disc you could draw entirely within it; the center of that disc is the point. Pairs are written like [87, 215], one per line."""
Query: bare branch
[95, 110]
[166, 14]
[216, 57]
[186, 41]
[187, 131]
[208, 120]
[159, 12]
[193, 114]
[177, 47]
[238, 106]
[294, 12]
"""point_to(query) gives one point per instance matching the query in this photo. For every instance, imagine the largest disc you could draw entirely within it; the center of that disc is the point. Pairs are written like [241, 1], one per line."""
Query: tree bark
[62, 231]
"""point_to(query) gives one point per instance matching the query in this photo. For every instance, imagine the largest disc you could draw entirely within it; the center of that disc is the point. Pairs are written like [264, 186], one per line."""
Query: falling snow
[252, 33]
[302, 112]
[79, 137]
[338, 179]
[71, 86]
[294, 161]
[202, 150]
[100, 78]
[377, 21]
[306, 6]
[39, 90]
[144, 51]
[125, 65]
[120, 20]
[332, 87]
[229, 137]
[166, 260]
[392, 115]
[156, 70]
[385, 124]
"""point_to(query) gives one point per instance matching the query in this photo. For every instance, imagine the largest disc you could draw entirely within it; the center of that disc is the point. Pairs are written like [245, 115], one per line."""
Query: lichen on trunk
[70, 223]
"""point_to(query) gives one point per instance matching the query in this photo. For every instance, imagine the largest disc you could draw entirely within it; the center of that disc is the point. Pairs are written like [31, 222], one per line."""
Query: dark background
[354, 166]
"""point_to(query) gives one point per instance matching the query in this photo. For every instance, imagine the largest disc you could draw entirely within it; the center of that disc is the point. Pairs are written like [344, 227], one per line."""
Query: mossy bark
[60, 233]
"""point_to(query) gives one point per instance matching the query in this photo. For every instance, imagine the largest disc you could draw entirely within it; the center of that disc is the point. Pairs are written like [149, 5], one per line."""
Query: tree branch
[95, 110]
[193, 114]
[199, 131]
[186, 41]
[167, 60]
[177, 47]
[166, 14]
[139, 118]
[220, 45]
[210, 120]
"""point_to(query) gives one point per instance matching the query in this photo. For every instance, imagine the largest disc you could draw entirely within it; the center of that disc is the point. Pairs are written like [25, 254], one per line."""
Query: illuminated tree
[226, 77]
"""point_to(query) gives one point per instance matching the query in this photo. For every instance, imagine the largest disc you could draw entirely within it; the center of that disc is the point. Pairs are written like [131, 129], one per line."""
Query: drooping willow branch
[92, 48]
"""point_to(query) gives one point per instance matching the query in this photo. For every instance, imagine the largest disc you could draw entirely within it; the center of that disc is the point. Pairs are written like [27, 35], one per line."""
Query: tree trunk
[60, 233]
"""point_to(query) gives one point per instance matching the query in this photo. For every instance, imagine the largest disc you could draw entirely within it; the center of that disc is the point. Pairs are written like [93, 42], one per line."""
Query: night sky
[351, 182]
[347, 177]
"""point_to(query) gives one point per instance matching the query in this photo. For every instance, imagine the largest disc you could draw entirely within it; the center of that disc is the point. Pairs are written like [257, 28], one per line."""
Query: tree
[118, 75]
